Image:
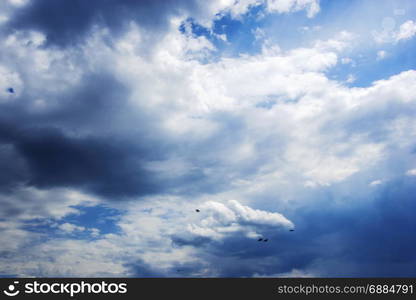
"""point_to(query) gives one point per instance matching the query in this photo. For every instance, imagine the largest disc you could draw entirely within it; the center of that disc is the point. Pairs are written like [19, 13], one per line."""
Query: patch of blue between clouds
[399, 58]
[366, 19]
[239, 32]
[289, 31]
[99, 217]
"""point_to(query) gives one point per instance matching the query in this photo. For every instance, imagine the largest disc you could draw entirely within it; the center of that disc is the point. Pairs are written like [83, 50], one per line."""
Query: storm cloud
[68, 22]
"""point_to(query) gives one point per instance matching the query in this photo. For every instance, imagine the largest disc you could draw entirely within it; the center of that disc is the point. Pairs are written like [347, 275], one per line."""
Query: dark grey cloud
[140, 269]
[75, 142]
[106, 166]
[371, 238]
[89, 136]
[197, 242]
[13, 168]
[67, 22]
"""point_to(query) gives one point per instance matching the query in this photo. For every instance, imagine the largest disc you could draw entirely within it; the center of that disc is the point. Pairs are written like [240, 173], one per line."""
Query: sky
[171, 138]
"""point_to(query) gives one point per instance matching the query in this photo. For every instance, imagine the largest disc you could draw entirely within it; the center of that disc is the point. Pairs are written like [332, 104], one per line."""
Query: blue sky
[286, 120]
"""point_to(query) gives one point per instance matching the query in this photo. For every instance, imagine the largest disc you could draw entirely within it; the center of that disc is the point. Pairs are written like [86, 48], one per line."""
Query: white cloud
[376, 182]
[70, 228]
[240, 7]
[350, 78]
[218, 220]
[310, 29]
[411, 172]
[294, 273]
[75, 258]
[286, 6]
[95, 232]
[406, 31]
[389, 35]
[236, 8]
[382, 54]
[346, 60]
[235, 85]
[18, 2]
[30, 203]
[14, 237]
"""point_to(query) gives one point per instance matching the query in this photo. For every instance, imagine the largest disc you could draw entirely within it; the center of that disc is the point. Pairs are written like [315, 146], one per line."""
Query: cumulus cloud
[406, 31]
[219, 220]
[389, 35]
